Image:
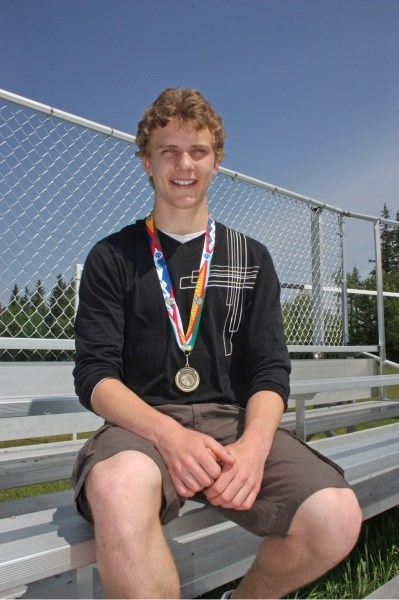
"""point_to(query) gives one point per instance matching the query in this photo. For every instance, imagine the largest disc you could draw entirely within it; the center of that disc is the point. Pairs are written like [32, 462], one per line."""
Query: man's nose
[184, 161]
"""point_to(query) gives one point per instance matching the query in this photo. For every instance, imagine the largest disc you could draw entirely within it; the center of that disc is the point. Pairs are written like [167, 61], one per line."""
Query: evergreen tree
[387, 243]
[39, 295]
[298, 321]
[39, 311]
[26, 297]
[61, 313]
[362, 311]
[395, 244]
[12, 315]
[14, 299]
[391, 315]
[363, 325]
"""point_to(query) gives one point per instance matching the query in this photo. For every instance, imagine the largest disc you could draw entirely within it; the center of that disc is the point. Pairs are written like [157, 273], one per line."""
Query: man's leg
[125, 494]
[323, 531]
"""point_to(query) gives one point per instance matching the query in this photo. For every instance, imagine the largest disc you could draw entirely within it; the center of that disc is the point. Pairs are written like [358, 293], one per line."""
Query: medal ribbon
[186, 340]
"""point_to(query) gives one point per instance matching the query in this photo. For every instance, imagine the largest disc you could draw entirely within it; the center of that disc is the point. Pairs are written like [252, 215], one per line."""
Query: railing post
[344, 286]
[380, 299]
[78, 275]
[85, 582]
[317, 289]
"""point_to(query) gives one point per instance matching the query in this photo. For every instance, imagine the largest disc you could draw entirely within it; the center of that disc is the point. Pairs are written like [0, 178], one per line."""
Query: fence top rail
[109, 131]
[332, 349]
[8, 343]
[65, 116]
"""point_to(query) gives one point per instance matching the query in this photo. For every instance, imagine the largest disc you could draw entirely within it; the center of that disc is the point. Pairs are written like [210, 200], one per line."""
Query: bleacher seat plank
[32, 504]
[334, 417]
[38, 462]
[389, 590]
[47, 425]
[343, 383]
[379, 495]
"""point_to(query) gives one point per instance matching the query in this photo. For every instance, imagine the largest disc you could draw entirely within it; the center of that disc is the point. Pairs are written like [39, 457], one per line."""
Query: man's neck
[181, 222]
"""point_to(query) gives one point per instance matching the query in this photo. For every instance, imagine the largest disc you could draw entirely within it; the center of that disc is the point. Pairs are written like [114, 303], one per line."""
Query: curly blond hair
[183, 105]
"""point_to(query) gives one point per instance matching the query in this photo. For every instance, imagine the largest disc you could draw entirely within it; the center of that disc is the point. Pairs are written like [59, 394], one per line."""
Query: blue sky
[308, 89]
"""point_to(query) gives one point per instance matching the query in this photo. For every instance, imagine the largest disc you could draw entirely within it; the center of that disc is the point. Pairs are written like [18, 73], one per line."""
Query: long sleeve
[99, 322]
[271, 361]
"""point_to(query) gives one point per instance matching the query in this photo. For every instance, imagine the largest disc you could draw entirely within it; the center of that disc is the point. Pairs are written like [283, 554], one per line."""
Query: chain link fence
[64, 185]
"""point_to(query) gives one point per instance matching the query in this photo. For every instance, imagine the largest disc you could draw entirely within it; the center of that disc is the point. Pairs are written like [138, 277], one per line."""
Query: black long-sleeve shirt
[122, 329]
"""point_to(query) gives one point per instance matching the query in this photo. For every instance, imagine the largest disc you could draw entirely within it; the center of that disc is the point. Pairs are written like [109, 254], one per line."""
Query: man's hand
[239, 483]
[194, 460]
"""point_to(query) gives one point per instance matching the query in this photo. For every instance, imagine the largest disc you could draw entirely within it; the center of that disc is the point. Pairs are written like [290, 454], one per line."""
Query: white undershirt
[184, 238]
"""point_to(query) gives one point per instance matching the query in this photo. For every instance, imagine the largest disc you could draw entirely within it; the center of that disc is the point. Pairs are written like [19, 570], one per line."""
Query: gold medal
[187, 379]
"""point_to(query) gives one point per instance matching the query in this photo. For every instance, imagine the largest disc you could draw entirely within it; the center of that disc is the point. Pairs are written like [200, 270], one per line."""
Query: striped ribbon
[186, 340]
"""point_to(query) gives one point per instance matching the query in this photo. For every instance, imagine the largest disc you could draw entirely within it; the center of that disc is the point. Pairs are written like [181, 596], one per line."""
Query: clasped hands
[229, 476]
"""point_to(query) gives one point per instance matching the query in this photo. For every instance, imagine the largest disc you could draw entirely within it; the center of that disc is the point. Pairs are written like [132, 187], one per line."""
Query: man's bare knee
[329, 522]
[125, 493]
[126, 483]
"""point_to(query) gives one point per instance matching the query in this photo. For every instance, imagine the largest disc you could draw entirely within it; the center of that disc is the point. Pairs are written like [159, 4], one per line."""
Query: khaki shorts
[293, 472]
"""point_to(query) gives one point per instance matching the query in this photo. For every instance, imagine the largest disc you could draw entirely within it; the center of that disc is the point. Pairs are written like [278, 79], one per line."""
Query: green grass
[42, 440]
[373, 562]
[36, 489]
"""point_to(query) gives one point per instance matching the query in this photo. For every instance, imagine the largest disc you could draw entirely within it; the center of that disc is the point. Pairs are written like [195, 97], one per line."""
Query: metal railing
[66, 182]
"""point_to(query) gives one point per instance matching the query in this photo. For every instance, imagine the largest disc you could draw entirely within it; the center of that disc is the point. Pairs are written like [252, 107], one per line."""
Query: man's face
[181, 162]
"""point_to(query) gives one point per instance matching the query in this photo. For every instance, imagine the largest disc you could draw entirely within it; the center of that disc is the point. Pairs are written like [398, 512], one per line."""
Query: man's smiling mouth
[184, 182]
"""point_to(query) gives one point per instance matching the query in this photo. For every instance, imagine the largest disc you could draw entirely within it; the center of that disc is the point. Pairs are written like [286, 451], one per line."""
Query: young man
[180, 347]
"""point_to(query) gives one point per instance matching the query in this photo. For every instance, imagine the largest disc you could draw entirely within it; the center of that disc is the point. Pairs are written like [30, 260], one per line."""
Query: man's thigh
[109, 442]
[293, 472]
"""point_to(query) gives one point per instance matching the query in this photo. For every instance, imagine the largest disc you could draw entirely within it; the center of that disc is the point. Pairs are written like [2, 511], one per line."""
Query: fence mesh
[64, 186]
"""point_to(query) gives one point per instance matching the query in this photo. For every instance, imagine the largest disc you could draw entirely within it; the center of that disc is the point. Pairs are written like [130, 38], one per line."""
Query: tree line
[30, 314]
[362, 309]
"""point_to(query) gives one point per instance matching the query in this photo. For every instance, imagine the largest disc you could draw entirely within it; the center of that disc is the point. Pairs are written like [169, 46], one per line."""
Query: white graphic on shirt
[236, 276]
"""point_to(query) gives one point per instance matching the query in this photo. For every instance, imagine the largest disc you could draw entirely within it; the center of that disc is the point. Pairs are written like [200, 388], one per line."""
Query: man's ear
[145, 161]
[216, 166]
